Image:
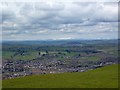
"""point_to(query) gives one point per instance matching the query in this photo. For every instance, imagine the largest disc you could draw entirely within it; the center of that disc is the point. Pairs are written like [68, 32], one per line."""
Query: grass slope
[105, 77]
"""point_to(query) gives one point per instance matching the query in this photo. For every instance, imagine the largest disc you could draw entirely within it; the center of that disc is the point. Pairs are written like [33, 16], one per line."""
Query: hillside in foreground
[105, 77]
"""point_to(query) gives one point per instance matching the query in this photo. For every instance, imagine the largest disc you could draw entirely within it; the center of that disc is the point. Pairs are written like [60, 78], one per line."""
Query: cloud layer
[59, 20]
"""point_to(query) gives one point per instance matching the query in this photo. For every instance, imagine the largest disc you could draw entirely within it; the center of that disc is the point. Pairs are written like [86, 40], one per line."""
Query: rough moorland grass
[105, 77]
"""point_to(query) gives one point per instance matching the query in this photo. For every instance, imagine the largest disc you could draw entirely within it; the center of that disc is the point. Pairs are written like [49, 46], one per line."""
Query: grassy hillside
[105, 77]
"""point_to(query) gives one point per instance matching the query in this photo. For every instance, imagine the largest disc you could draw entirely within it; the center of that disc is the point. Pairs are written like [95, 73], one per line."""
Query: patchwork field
[105, 77]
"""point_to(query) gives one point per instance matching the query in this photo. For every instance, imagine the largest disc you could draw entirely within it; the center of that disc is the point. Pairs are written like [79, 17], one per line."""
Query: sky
[58, 20]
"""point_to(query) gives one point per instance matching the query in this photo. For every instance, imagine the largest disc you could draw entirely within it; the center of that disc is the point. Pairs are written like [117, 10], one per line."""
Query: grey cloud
[62, 19]
[7, 16]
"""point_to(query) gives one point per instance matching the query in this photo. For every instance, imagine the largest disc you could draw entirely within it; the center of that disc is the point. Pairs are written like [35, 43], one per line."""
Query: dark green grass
[105, 77]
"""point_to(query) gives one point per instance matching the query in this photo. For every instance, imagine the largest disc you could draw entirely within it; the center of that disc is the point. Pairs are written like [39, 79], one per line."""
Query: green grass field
[91, 58]
[7, 54]
[34, 54]
[105, 77]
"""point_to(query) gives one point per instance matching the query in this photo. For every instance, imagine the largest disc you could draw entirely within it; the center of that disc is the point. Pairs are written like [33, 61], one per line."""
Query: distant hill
[60, 42]
[105, 77]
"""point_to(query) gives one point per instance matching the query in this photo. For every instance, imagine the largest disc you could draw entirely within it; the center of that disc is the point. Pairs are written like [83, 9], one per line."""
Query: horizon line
[58, 39]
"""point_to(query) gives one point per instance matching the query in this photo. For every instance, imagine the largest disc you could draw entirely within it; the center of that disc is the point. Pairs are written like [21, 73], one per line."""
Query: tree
[39, 53]
[46, 52]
